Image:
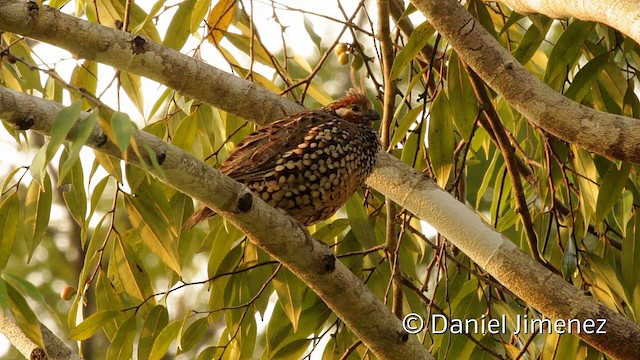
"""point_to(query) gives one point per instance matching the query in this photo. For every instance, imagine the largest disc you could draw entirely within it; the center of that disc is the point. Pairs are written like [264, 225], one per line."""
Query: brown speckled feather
[253, 156]
[309, 163]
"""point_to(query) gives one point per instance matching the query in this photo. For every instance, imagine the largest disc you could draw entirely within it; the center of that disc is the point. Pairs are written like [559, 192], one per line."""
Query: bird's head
[354, 107]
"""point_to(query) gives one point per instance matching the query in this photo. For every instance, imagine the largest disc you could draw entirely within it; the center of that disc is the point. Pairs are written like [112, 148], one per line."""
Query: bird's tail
[199, 215]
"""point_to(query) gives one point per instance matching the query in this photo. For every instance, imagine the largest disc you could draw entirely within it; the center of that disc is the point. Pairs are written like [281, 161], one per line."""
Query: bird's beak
[372, 115]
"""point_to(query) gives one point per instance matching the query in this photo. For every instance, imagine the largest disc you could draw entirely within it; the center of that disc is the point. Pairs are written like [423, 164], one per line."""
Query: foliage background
[115, 234]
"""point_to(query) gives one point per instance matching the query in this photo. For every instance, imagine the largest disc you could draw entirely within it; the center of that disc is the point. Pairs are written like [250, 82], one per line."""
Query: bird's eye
[355, 108]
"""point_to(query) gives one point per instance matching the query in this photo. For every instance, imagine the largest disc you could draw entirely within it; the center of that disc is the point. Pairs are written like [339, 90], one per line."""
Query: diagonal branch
[621, 15]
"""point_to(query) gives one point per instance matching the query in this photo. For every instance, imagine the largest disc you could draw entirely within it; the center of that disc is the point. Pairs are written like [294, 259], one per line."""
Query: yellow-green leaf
[441, 140]
[180, 26]
[9, 220]
[62, 124]
[132, 85]
[25, 317]
[82, 132]
[123, 128]
[37, 209]
[149, 214]
[164, 340]
[610, 189]
[417, 41]
[122, 345]
[153, 325]
[93, 323]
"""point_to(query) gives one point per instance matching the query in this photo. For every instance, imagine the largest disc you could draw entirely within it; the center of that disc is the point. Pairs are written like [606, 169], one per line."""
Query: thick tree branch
[527, 279]
[614, 136]
[621, 15]
[55, 348]
[273, 231]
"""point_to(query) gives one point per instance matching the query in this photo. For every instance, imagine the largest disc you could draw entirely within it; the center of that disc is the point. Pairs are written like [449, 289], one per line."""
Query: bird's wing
[256, 154]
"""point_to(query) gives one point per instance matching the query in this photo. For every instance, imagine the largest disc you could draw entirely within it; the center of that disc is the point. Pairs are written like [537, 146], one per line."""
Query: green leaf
[132, 85]
[82, 133]
[123, 128]
[131, 272]
[565, 52]
[630, 254]
[585, 78]
[569, 260]
[93, 323]
[156, 321]
[73, 191]
[180, 26]
[610, 190]
[441, 140]
[185, 134]
[25, 317]
[37, 209]
[84, 76]
[110, 11]
[107, 299]
[149, 214]
[122, 345]
[9, 220]
[310, 29]
[4, 295]
[62, 124]
[193, 334]
[462, 99]
[418, 39]
[290, 292]
[164, 340]
[359, 221]
[403, 127]
[532, 39]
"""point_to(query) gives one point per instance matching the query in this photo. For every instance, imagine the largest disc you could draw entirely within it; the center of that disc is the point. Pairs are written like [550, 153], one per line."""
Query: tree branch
[621, 15]
[55, 348]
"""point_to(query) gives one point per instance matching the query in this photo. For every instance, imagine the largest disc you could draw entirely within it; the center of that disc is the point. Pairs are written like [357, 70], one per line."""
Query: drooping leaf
[62, 124]
[193, 334]
[82, 132]
[419, 38]
[132, 85]
[164, 340]
[441, 140]
[9, 221]
[123, 128]
[180, 26]
[37, 209]
[565, 52]
[156, 321]
[132, 275]
[219, 20]
[610, 189]
[24, 316]
[290, 292]
[462, 99]
[122, 345]
[148, 213]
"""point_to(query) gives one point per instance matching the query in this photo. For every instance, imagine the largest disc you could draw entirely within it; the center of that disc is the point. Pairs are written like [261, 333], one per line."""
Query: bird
[309, 163]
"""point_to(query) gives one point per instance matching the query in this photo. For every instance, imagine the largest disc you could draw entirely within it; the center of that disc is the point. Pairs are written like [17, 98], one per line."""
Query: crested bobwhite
[308, 163]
